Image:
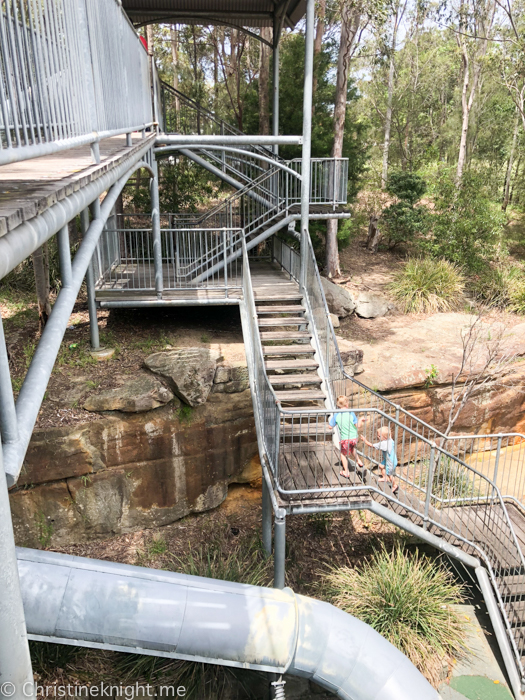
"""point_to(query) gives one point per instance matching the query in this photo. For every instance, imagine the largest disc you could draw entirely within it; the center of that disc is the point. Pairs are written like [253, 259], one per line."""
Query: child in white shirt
[389, 459]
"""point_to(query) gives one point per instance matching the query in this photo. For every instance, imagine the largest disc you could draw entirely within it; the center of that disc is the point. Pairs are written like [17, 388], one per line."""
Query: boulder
[231, 379]
[339, 299]
[335, 320]
[189, 371]
[141, 394]
[351, 356]
[369, 305]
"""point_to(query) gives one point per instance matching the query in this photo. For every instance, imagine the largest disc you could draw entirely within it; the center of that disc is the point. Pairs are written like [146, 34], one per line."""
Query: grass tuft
[426, 285]
[409, 600]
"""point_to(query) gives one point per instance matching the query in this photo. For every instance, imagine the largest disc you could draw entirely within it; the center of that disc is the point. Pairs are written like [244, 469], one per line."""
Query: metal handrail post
[496, 466]
[307, 136]
[429, 486]
[15, 660]
[155, 226]
[225, 264]
[90, 280]
[64, 254]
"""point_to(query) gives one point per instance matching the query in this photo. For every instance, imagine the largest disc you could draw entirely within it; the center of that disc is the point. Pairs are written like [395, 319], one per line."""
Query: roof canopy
[242, 13]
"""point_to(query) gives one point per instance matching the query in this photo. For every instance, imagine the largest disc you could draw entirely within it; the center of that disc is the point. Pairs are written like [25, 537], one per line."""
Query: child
[389, 461]
[348, 430]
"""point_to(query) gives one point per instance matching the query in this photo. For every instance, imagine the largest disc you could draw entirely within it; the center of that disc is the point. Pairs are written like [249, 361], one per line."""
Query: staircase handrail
[272, 440]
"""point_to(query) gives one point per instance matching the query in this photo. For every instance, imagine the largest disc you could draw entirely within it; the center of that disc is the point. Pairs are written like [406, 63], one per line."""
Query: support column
[155, 226]
[307, 135]
[90, 280]
[266, 518]
[279, 552]
[8, 419]
[64, 254]
[275, 84]
[16, 675]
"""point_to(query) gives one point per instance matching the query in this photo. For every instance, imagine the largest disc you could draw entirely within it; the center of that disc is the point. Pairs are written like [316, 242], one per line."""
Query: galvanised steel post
[266, 518]
[431, 468]
[90, 280]
[155, 227]
[275, 103]
[8, 419]
[307, 136]
[64, 254]
[16, 675]
[279, 551]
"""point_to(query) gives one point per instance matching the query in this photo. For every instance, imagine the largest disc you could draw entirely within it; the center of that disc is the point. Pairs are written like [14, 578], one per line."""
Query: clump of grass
[409, 600]
[244, 562]
[426, 285]
[450, 481]
[501, 287]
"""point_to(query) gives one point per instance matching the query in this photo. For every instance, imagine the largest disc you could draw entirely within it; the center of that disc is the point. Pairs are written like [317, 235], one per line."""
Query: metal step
[261, 298]
[284, 321]
[294, 379]
[303, 349]
[290, 309]
[300, 395]
[305, 363]
[285, 335]
[319, 431]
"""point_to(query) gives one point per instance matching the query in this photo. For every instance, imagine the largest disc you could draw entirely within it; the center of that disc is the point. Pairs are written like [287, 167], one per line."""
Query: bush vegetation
[408, 599]
[427, 285]
[501, 286]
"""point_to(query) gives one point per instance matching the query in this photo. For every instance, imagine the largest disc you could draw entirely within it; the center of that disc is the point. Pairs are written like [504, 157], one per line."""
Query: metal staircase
[465, 494]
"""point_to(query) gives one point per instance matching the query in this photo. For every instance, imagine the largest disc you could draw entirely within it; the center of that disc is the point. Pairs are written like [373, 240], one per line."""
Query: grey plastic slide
[72, 600]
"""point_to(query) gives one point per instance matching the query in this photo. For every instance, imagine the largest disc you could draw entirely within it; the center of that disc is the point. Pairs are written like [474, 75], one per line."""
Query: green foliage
[426, 285]
[466, 226]
[46, 657]
[450, 481]
[501, 286]
[44, 529]
[321, 522]
[244, 562]
[432, 374]
[185, 413]
[408, 599]
[403, 220]
[408, 187]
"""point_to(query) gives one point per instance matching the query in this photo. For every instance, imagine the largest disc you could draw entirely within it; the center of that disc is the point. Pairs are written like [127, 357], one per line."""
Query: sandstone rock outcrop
[188, 371]
[136, 396]
[132, 471]
[339, 299]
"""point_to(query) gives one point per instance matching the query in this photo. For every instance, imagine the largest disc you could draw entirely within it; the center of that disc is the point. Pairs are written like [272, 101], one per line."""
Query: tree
[352, 14]
[398, 12]
[475, 19]
[264, 81]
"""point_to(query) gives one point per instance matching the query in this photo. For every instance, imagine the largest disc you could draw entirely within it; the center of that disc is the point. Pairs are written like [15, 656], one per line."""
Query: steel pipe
[130, 304]
[22, 241]
[64, 255]
[8, 419]
[155, 229]
[279, 557]
[15, 662]
[101, 604]
[94, 334]
[218, 139]
[307, 135]
[266, 519]
[37, 377]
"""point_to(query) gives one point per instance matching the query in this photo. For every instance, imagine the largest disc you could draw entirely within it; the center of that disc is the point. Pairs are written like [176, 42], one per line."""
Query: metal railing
[70, 73]
[439, 491]
[124, 260]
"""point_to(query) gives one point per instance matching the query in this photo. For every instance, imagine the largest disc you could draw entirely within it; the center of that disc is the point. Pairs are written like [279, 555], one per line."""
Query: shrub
[427, 285]
[466, 226]
[408, 599]
[501, 287]
[403, 220]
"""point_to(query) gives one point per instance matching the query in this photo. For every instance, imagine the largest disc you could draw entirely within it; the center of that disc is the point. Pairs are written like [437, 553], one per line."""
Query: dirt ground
[134, 335]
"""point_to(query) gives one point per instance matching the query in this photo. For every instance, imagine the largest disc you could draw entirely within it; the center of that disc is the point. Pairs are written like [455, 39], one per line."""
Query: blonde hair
[384, 432]
[342, 401]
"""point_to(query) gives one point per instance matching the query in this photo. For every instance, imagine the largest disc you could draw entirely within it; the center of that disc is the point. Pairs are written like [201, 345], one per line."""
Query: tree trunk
[374, 234]
[41, 270]
[508, 177]
[465, 108]
[390, 97]
[264, 81]
[318, 42]
[350, 20]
